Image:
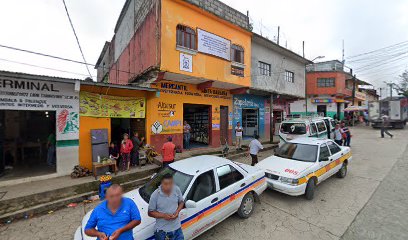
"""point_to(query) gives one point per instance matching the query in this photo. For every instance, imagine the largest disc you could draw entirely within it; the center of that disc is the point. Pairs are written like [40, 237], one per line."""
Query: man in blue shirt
[115, 218]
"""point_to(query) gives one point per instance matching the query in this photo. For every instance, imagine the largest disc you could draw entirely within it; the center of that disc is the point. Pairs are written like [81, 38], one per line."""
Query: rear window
[298, 152]
[293, 128]
[321, 126]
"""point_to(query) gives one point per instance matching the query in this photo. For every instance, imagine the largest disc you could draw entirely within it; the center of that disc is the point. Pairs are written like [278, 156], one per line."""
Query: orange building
[196, 53]
[329, 90]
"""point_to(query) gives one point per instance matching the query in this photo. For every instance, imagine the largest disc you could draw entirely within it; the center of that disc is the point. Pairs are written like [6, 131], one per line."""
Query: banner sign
[96, 105]
[34, 95]
[214, 45]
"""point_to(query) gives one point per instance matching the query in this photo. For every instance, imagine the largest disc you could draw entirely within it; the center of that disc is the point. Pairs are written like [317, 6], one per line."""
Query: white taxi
[213, 188]
[298, 166]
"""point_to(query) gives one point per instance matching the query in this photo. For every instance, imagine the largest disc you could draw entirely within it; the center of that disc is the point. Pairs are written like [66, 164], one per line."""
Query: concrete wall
[223, 11]
[279, 62]
[125, 28]
[299, 107]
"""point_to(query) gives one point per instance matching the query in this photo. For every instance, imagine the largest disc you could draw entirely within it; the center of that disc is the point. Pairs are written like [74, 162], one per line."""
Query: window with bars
[325, 82]
[289, 76]
[186, 37]
[264, 69]
[237, 54]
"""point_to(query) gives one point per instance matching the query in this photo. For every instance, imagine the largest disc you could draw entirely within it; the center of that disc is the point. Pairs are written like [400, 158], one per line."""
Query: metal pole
[278, 34]
[271, 128]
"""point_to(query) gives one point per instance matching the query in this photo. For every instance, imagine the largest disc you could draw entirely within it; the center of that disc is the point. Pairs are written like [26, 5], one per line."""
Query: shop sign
[214, 45]
[96, 105]
[16, 94]
[317, 100]
[188, 90]
[186, 62]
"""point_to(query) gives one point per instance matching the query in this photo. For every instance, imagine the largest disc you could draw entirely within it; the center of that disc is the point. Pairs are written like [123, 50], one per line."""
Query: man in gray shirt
[165, 205]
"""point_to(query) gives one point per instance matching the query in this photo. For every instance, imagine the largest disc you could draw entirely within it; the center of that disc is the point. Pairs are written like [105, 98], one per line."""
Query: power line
[37, 66]
[384, 48]
[76, 37]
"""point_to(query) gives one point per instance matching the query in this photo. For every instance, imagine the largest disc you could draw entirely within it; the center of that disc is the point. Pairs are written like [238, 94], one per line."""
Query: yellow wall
[176, 12]
[85, 126]
[88, 123]
[174, 102]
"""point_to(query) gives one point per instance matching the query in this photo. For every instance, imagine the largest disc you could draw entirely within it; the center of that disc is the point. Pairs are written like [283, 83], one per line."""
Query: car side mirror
[191, 204]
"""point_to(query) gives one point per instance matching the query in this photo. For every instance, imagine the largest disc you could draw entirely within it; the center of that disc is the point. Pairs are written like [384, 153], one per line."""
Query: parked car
[213, 188]
[305, 127]
[301, 164]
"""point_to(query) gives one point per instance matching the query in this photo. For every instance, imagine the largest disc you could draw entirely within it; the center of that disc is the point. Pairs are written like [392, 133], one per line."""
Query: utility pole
[354, 86]
[272, 127]
[278, 34]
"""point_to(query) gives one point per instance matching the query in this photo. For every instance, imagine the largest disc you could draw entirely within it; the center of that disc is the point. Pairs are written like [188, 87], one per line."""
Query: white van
[306, 127]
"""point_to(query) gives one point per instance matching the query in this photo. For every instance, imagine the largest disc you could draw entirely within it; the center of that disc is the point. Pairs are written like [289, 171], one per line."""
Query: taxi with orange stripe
[213, 188]
[298, 166]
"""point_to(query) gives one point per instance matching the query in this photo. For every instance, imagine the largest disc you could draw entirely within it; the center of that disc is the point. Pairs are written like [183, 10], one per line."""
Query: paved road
[370, 203]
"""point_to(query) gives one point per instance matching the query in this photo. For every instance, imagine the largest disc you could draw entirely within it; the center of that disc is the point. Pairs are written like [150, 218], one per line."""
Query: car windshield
[293, 128]
[182, 180]
[298, 152]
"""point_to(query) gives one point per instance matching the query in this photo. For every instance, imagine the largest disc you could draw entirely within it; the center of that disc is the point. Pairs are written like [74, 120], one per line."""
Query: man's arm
[91, 225]
[152, 210]
[132, 224]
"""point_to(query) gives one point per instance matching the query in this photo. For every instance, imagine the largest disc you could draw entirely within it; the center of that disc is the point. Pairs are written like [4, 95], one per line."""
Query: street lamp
[318, 57]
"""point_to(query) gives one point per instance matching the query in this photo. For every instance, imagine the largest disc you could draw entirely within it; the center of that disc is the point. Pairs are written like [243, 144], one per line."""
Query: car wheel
[247, 206]
[343, 171]
[310, 189]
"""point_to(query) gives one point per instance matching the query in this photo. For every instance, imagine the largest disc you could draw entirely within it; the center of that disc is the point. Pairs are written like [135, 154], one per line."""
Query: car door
[336, 154]
[321, 127]
[230, 182]
[324, 156]
[203, 192]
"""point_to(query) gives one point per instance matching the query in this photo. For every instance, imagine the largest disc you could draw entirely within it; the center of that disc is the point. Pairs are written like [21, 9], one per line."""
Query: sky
[363, 25]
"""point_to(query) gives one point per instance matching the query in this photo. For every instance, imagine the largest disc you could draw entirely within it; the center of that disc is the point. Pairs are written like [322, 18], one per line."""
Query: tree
[402, 87]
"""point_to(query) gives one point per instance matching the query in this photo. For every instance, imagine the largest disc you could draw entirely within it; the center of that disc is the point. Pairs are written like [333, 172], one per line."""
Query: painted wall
[166, 108]
[264, 51]
[141, 51]
[174, 12]
[248, 101]
[340, 83]
[88, 123]
[299, 107]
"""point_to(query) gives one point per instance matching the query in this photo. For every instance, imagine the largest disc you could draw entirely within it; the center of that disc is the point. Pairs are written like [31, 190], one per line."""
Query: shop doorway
[250, 122]
[120, 126]
[322, 110]
[223, 125]
[277, 120]
[27, 139]
[198, 117]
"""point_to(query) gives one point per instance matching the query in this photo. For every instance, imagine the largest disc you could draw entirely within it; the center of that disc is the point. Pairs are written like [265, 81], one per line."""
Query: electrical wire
[76, 37]
[37, 66]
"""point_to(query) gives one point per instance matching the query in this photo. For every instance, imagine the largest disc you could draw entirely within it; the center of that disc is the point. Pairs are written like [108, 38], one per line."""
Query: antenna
[342, 58]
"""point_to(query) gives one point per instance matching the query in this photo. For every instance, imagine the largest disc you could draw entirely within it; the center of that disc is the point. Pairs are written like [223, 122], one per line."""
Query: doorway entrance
[198, 117]
[120, 126]
[250, 122]
[28, 143]
[322, 110]
[223, 125]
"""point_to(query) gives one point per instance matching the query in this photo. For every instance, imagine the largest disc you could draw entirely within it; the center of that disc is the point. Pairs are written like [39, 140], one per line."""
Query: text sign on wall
[16, 94]
[214, 45]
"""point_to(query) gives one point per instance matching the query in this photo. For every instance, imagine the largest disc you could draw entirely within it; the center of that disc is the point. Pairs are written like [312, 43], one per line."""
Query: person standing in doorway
[137, 143]
[114, 218]
[186, 135]
[254, 147]
[345, 131]
[168, 152]
[165, 205]
[338, 137]
[238, 136]
[384, 125]
[51, 141]
[125, 150]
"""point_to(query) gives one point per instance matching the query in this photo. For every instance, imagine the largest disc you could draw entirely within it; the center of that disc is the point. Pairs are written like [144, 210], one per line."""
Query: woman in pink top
[125, 150]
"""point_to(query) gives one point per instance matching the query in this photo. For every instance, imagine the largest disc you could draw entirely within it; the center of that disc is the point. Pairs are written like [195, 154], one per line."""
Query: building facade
[39, 126]
[195, 53]
[329, 90]
[277, 72]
